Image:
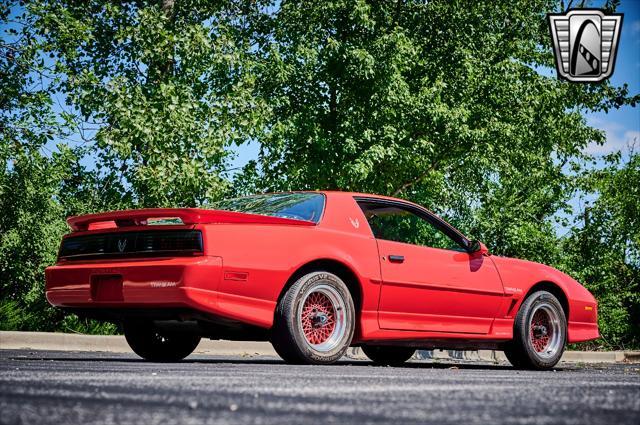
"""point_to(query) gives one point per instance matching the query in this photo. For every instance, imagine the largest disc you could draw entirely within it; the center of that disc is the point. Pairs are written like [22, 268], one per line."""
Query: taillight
[130, 244]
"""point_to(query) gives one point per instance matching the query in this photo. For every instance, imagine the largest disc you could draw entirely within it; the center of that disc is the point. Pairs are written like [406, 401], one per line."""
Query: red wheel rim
[541, 330]
[318, 318]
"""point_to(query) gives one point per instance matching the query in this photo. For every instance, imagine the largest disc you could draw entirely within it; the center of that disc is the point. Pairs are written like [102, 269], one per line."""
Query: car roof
[330, 193]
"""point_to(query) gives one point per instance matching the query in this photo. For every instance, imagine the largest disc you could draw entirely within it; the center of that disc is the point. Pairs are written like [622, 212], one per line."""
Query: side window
[397, 224]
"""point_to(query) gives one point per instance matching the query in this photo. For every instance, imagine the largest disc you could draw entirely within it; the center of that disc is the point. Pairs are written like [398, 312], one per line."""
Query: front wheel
[539, 333]
[156, 345]
[314, 320]
[388, 355]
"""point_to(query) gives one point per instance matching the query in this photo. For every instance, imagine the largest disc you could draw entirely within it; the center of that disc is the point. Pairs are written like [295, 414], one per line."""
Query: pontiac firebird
[314, 273]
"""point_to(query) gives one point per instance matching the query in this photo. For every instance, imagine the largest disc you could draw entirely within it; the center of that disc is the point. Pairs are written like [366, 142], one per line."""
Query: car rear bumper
[162, 283]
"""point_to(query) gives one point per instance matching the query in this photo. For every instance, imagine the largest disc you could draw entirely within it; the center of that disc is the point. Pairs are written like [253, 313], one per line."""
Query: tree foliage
[449, 104]
[166, 85]
[428, 100]
[38, 187]
[603, 252]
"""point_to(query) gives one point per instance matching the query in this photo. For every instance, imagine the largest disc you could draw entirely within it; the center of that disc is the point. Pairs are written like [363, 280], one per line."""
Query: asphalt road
[44, 387]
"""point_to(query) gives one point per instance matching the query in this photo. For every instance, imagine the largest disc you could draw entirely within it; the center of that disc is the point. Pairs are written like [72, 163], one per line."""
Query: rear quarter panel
[258, 260]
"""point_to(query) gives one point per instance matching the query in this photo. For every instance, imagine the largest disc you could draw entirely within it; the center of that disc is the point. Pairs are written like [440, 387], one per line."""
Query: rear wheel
[314, 320]
[388, 355]
[158, 346]
[539, 333]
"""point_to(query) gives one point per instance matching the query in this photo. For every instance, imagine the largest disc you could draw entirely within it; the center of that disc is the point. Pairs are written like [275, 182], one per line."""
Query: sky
[622, 126]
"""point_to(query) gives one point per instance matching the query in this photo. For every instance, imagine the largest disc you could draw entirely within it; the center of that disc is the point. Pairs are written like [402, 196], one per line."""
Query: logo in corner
[122, 244]
[585, 43]
[354, 222]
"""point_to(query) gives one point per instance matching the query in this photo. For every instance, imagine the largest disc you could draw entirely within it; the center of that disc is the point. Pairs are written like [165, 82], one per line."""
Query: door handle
[396, 258]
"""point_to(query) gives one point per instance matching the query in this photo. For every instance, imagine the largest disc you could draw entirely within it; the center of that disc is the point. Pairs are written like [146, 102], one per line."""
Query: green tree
[40, 184]
[163, 88]
[603, 251]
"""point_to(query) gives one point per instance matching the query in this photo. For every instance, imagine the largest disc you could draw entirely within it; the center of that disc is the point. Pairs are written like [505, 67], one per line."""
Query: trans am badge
[585, 43]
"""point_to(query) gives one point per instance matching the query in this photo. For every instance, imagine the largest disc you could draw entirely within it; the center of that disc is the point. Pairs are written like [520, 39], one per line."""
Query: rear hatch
[152, 232]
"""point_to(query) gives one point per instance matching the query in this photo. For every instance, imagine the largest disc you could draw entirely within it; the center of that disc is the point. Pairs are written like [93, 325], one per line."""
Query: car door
[429, 281]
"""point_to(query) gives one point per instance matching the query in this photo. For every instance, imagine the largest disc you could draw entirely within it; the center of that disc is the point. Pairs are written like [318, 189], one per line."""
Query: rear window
[298, 206]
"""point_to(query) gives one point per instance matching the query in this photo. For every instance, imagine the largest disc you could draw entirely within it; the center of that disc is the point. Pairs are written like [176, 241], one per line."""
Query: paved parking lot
[47, 387]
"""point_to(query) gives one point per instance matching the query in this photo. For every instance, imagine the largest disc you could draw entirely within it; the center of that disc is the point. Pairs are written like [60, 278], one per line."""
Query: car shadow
[421, 364]
[254, 360]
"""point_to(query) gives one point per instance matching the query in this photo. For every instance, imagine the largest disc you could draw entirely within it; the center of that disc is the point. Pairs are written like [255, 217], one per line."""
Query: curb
[10, 340]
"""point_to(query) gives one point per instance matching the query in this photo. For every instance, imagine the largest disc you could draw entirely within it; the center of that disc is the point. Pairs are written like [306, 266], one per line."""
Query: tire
[156, 346]
[539, 333]
[314, 320]
[387, 355]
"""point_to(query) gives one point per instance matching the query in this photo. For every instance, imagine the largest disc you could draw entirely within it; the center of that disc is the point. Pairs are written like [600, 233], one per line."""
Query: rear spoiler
[187, 216]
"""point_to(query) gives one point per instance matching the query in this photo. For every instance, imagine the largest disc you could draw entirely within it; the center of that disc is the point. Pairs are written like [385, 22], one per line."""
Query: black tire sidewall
[140, 337]
[290, 332]
[388, 355]
[522, 348]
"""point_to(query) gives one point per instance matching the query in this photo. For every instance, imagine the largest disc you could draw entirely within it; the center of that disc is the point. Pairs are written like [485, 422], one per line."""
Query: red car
[314, 273]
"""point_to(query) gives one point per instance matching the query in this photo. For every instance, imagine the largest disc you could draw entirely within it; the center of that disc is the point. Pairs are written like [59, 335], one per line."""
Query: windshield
[298, 206]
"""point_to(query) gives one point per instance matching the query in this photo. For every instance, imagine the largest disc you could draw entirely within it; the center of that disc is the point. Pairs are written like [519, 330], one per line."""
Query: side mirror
[478, 247]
